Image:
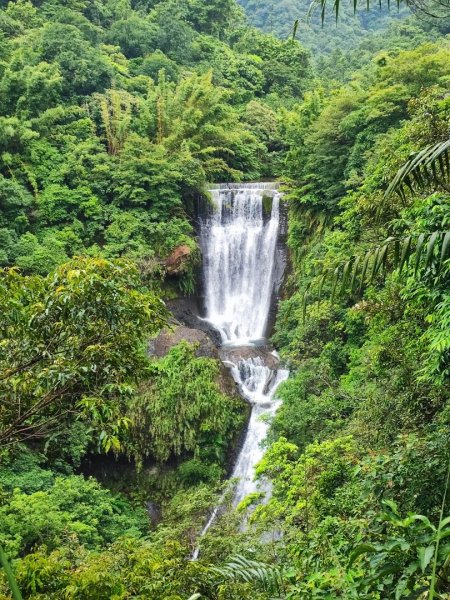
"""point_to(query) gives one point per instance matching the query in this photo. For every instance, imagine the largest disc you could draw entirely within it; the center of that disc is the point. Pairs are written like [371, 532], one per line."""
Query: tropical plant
[116, 108]
[351, 277]
[269, 578]
[435, 9]
[181, 409]
[10, 575]
[427, 169]
[72, 341]
[415, 555]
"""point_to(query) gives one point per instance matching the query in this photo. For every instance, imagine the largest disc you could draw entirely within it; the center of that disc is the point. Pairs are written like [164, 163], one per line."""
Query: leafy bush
[72, 507]
[182, 410]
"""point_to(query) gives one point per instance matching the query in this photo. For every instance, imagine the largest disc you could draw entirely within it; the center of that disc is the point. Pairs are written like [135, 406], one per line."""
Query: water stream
[239, 239]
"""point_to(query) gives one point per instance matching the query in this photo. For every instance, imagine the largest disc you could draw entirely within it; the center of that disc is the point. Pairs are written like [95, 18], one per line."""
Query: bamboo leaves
[394, 253]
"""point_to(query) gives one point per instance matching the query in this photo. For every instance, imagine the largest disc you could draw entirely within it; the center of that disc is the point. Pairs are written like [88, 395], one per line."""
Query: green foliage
[113, 119]
[243, 569]
[428, 168]
[359, 271]
[182, 410]
[114, 108]
[288, 18]
[72, 508]
[25, 470]
[358, 455]
[71, 344]
[337, 139]
[10, 575]
[430, 9]
[128, 564]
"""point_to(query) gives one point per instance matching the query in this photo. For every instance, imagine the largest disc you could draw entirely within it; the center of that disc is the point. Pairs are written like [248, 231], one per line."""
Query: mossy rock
[267, 202]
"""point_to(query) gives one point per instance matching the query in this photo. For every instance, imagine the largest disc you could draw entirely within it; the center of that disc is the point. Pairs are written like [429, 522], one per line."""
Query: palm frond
[430, 9]
[427, 169]
[430, 250]
[241, 569]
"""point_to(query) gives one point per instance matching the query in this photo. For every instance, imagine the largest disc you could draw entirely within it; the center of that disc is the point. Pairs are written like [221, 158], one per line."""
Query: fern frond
[241, 569]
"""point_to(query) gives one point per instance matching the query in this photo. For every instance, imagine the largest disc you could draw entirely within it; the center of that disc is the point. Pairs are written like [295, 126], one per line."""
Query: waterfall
[239, 240]
[239, 249]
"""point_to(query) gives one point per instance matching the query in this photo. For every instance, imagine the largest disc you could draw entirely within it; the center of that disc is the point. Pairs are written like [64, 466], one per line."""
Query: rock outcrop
[175, 263]
[186, 312]
[168, 338]
[235, 354]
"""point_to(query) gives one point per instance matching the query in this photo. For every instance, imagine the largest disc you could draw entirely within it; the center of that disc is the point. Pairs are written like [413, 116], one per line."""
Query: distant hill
[278, 17]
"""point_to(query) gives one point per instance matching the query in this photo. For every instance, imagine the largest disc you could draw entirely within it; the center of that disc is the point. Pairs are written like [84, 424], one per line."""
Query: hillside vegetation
[114, 117]
[279, 17]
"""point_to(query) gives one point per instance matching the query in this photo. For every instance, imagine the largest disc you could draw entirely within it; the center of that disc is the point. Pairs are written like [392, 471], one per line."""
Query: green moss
[267, 202]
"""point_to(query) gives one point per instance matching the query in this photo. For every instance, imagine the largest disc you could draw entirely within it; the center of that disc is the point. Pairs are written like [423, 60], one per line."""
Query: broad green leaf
[406, 248]
[355, 273]
[430, 248]
[360, 550]
[445, 247]
[425, 555]
[419, 248]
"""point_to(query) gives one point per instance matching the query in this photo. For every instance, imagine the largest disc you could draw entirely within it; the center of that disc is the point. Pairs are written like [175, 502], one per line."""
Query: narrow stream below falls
[239, 240]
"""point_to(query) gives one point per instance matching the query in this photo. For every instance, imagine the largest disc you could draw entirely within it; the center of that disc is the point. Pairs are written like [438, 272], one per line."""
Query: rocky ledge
[168, 338]
[234, 354]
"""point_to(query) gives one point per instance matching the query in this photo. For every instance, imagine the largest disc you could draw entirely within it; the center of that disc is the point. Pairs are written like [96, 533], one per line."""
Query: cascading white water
[258, 384]
[239, 249]
[239, 244]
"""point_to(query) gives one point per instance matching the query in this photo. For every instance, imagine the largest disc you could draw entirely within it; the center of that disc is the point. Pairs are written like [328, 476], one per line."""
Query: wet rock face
[236, 354]
[186, 311]
[154, 513]
[168, 338]
[281, 267]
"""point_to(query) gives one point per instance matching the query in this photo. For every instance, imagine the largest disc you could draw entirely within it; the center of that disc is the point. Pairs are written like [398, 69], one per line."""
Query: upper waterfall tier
[262, 185]
[238, 241]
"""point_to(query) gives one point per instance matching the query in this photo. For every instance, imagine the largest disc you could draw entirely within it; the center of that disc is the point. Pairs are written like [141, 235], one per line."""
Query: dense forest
[278, 17]
[115, 116]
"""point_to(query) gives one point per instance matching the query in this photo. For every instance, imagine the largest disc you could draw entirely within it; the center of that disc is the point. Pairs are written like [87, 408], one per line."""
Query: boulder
[267, 203]
[175, 263]
[168, 338]
[235, 354]
[154, 513]
[186, 312]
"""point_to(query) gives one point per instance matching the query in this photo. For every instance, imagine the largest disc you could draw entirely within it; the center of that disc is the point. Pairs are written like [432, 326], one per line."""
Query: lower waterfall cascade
[238, 240]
